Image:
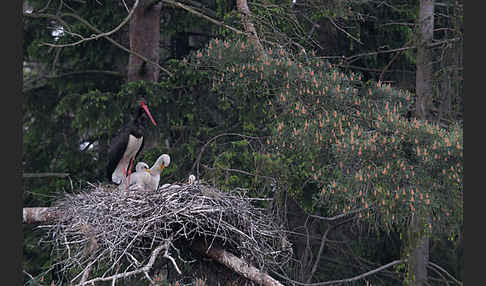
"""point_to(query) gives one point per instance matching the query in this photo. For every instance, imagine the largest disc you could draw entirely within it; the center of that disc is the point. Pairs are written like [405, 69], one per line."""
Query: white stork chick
[147, 179]
[192, 179]
[141, 166]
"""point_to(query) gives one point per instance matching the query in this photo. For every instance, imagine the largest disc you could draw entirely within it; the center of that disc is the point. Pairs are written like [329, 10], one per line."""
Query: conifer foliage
[353, 143]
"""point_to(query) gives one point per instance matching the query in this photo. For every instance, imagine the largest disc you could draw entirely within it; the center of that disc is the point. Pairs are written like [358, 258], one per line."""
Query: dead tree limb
[447, 273]
[347, 280]
[242, 6]
[199, 14]
[144, 269]
[39, 214]
[93, 37]
[236, 264]
[96, 30]
[319, 253]
[43, 175]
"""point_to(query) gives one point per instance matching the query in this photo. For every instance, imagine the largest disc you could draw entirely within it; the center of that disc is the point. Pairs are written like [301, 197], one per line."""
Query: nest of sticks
[108, 234]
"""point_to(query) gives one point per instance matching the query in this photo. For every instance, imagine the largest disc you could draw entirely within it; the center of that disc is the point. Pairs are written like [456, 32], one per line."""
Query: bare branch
[144, 269]
[344, 31]
[380, 78]
[238, 171]
[198, 160]
[96, 30]
[166, 255]
[242, 6]
[319, 253]
[353, 58]
[212, 20]
[355, 278]
[447, 273]
[237, 265]
[29, 81]
[100, 35]
[39, 214]
[440, 274]
[43, 175]
[199, 14]
[337, 216]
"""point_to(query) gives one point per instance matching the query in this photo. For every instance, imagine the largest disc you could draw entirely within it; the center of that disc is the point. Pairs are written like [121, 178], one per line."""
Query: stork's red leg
[126, 177]
[129, 172]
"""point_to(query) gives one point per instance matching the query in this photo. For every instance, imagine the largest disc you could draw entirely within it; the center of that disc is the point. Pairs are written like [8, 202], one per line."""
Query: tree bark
[242, 6]
[419, 252]
[418, 241]
[236, 264]
[424, 74]
[43, 175]
[144, 35]
[39, 214]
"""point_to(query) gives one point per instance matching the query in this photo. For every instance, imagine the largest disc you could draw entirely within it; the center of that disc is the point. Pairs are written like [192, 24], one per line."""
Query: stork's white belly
[133, 146]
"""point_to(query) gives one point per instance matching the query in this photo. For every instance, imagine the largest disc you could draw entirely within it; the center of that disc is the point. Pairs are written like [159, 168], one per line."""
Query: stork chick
[147, 179]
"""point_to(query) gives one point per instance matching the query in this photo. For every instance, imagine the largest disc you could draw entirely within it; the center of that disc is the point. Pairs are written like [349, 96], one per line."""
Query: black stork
[127, 144]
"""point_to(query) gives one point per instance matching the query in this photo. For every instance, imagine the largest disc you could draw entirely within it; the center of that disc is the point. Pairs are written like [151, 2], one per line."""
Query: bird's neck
[137, 129]
[155, 171]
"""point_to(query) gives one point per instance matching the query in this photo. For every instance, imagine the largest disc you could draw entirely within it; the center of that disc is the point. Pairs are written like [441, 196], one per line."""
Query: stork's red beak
[145, 107]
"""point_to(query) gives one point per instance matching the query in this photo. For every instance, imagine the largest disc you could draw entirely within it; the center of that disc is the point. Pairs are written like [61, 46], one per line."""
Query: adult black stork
[127, 144]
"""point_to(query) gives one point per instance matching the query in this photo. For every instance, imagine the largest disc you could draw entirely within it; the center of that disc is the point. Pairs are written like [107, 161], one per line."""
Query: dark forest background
[275, 113]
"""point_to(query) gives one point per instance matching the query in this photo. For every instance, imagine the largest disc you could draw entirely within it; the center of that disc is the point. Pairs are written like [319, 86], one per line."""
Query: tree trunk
[144, 35]
[424, 75]
[418, 241]
[419, 252]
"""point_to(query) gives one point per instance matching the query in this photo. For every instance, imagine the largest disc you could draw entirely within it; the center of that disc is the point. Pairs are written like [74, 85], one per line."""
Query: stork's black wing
[117, 147]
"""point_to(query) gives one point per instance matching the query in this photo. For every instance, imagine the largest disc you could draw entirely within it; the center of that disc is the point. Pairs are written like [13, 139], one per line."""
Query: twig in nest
[144, 269]
[166, 255]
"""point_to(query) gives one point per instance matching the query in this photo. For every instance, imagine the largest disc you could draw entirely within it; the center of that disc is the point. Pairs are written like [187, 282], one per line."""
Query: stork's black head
[143, 111]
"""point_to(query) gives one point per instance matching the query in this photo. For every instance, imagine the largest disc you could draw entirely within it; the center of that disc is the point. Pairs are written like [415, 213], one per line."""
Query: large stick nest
[113, 232]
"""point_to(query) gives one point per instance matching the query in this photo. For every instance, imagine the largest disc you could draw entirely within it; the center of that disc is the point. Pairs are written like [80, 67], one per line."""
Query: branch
[43, 175]
[212, 20]
[338, 216]
[344, 31]
[237, 265]
[144, 269]
[198, 160]
[242, 6]
[319, 253]
[447, 273]
[380, 78]
[33, 79]
[119, 45]
[355, 57]
[100, 35]
[39, 214]
[166, 255]
[238, 171]
[59, 18]
[440, 274]
[191, 10]
[361, 276]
